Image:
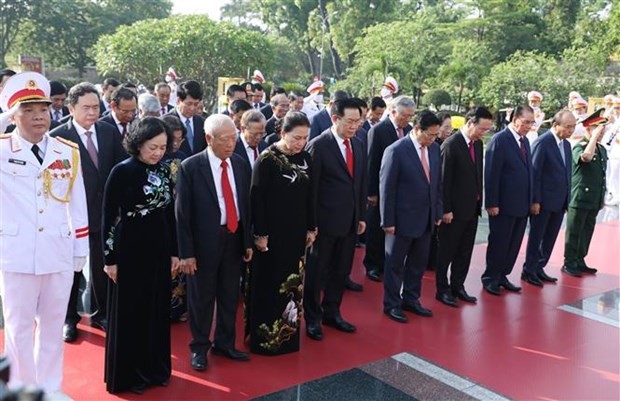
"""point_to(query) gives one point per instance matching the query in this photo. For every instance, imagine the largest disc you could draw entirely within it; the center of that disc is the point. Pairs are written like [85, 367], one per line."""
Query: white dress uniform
[43, 240]
[314, 102]
[611, 142]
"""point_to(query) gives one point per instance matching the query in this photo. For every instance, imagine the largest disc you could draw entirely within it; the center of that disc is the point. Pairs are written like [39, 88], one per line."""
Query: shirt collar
[214, 160]
[558, 140]
[81, 130]
[516, 136]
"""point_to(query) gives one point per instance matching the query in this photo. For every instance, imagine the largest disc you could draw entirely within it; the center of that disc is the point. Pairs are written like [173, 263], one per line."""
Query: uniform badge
[16, 161]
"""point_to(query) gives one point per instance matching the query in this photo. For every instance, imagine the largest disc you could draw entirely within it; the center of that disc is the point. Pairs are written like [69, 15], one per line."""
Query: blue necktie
[190, 135]
[561, 145]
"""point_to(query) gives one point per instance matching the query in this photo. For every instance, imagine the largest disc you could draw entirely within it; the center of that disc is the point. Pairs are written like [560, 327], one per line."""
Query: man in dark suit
[323, 120]
[58, 95]
[280, 105]
[189, 94]
[213, 225]
[411, 204]
[551, 166]
[107, 88]
[257, 99]
[233, 92]
[237, 109]
[162, 93]
[100, 150]
[267, 110]
[124, 107]
[338, 179]
[377, 109]
[462, 161]
[380, 137]
[508, 197]
[250, 143]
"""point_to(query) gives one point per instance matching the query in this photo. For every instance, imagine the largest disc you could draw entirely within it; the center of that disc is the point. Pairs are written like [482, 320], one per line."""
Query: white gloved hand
[5, 118]
[78, 263]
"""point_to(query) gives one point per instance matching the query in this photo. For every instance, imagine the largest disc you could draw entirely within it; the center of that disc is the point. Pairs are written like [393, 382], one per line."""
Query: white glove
[5, 118]
[78, 263]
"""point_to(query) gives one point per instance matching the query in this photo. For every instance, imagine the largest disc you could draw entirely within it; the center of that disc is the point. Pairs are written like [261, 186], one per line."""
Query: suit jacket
[508, 178]
[552, 177]
[267, 111]
[367, 125]
[319, 123]
[340, 198]
[108, 119]
[380, 136]
[408, 201]
[461, 178]
[110, 152]
[240, 150]
[200, 141]
[197, 209]
[270, 126]
[64, 112]
[271, 139]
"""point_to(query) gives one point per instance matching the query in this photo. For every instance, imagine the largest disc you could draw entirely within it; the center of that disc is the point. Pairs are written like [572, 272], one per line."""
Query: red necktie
[523, 150]
[229, 200]
[472, 152]
[347, 144]
[400, 132]
[425, 163]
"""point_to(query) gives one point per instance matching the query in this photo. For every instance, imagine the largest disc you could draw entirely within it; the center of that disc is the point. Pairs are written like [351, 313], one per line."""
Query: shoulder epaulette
[67, 142]
[5, 136]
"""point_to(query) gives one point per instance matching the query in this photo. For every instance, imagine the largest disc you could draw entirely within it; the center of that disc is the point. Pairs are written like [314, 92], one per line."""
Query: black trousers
[505, 237]
[328, 265]
[375, 241]
[98, 283]
[544, 229]
[211, 284]
[456, 244]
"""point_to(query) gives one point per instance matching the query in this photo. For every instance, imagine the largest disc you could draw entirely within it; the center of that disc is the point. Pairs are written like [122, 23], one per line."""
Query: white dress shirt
[216, 169]
[82, 133]
[341, 146]
[249, 151]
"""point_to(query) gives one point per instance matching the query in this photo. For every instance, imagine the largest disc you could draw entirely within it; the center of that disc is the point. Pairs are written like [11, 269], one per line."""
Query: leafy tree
[437, 97]
[12, 14]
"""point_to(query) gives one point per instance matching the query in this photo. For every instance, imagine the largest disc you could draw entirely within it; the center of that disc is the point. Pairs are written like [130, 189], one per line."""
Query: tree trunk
[460, 96]
[332, 51]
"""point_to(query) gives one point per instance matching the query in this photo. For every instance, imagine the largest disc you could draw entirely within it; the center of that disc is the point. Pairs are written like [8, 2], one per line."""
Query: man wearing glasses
[124, 105]
[508, 193]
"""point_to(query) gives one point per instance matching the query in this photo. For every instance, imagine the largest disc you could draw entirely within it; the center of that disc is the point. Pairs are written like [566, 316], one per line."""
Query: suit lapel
[338, 154]
[208, 175]
[416, 160]
[516, 146]
[239, 184]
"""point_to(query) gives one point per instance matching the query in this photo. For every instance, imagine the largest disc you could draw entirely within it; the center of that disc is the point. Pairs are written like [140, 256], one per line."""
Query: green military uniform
[587, 195]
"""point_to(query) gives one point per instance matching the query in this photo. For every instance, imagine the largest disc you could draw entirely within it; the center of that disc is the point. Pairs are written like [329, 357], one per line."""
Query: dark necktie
[229, 200]
[124, 129]
[523, 150]
[57, 115]
[255, 152]
[36, 150]
[400, 132]
[472, 152]
[91, 149]
[189, 137]
[163, 111]
[349, 153]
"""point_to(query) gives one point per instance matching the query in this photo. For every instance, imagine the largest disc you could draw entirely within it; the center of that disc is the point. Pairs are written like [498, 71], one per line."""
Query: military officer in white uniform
[534, 99]
[611, 142]
[313, 103]
[43, 234]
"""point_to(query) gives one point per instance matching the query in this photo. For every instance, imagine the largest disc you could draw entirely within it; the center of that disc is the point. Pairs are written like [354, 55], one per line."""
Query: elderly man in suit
[380, 136]
[100, 150]
[322, 120]
[411, 205]
[551, 166]
[189, 95]
[214, 236]
[108, 87]
[280, 105]
[250, 143]
[462, 204]
[124, 107]
[338, 179]
[162, 93]
[508, 192]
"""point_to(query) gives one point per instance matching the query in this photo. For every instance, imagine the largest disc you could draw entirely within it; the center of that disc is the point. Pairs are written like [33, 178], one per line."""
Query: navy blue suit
[340, 206]
[240, 150]
[411, 204]
[552, 183]
[200, 141]
[319, 123]
[508, 185]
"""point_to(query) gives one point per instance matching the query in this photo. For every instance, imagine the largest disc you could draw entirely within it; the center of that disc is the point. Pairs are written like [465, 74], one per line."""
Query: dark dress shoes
[418, 309]
[447, 299]
[492, 288]
[232, 353]
[546, 278]
[464, 296]
[314, 331]
[339, 323]
[397, 315]
[352, 285]
[138, 388]
[532, 279]
[587, 270]
[199, 361]
[571, 271]
[101, 324]
[69, 332]
[374, 275]
[509, 286]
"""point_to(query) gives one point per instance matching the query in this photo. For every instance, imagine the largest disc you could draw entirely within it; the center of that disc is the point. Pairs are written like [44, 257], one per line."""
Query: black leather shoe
[232, 353]
[314, 331]
[464, 296]
[447, 299]
[493, 288]
[101, 324]
[418, 309]
[339, 323]
[352, 285]
[138, 388]
[199, 361]
[587, 270]
[509, 286]
[374, 275]
[532, 279]
[545, 277]
[397, 315]
[69, 332]
[571, 271]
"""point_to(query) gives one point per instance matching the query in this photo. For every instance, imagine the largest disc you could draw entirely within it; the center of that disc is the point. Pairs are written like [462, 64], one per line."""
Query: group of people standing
[180, 210]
